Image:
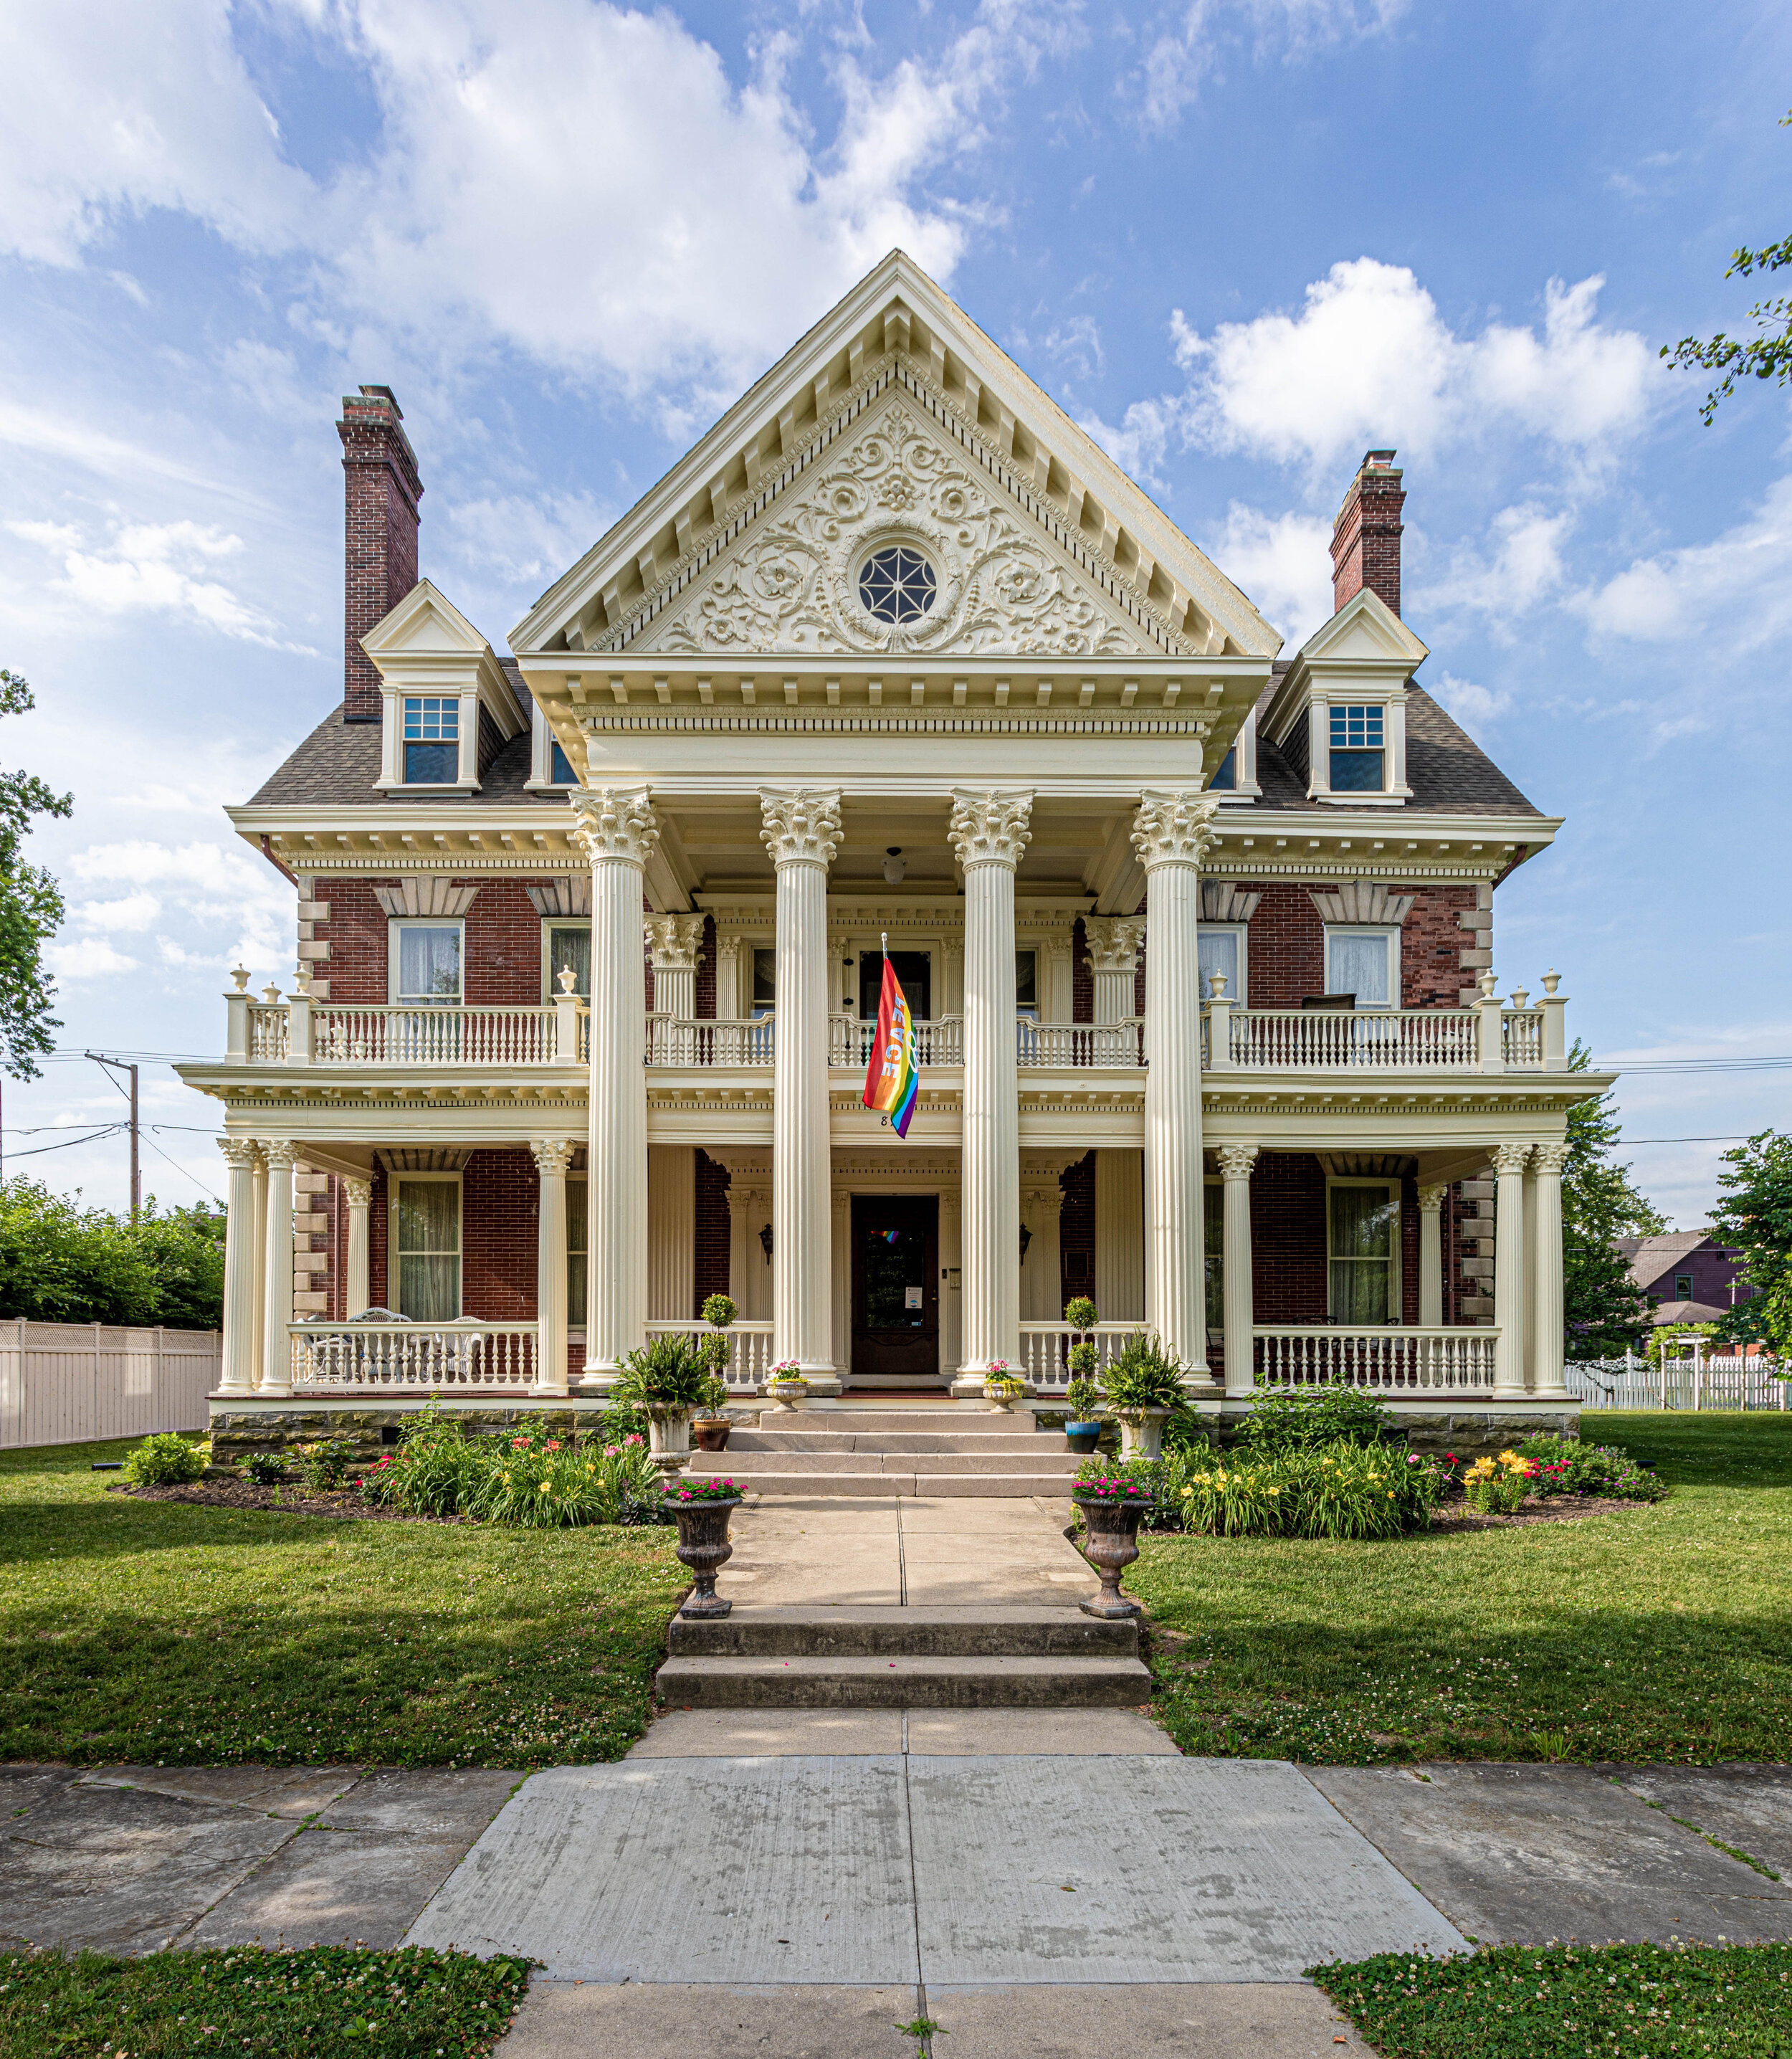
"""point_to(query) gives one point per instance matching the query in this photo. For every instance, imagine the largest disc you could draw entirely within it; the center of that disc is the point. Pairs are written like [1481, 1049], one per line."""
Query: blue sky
[1242, 240]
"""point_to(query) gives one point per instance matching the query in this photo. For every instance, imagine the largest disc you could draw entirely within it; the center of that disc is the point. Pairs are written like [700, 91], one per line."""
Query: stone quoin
[1198, 938]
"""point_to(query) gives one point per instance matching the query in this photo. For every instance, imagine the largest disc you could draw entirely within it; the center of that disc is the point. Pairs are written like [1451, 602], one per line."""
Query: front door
[896, 1286]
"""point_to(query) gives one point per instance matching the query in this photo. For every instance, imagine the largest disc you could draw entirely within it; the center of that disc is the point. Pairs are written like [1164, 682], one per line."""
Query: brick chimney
[1366, 536]
[381, 493]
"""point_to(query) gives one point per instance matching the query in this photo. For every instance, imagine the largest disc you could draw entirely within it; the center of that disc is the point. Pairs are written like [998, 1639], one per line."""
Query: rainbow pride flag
[892, 1081]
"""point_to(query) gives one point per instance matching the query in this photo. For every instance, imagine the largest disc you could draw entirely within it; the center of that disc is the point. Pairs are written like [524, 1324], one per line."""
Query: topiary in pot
[1079, 1312]
[1083, 1398]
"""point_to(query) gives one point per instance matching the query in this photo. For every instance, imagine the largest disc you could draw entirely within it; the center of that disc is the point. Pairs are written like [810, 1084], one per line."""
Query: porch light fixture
[894, 866]
[765, 1239]
[1026, 1238]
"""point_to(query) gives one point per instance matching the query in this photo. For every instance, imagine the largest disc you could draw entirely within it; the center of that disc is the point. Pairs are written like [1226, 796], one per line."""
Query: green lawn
[1661, 1632]
[151, 1631]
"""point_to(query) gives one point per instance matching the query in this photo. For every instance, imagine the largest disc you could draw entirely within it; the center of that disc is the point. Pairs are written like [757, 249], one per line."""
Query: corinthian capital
[1236, 1160]
[1549, 1158]
[800, 826]
[553, 1155]
[675, 940]
[1509, 1158]
[1172, 828]
[615, 822]
[1114, 941]
[240, 1151]
[989, 826]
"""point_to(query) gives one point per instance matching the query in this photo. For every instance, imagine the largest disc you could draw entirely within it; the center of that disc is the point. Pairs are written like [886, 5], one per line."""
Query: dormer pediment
[426, 645]
[1108, 555]
[1365, 648]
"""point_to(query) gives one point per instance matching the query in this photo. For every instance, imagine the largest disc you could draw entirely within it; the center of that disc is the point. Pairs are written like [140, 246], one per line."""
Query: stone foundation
[1476, 1433]
[236, 1433]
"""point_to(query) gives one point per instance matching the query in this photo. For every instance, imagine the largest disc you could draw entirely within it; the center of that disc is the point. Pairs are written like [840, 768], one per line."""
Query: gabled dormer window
[1225, 780]
[560, 772]
[432, 739]
[1358, 744]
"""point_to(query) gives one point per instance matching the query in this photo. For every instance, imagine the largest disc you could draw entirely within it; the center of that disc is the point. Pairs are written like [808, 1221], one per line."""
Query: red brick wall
[503, 947]
[1288, 1238]
[357, 966]
[381, 493]
[499, 1212]
[377, 1288]
[712, 1224]
[706, 986]
[1082, 975]
[1431, 944]
[1287, 945]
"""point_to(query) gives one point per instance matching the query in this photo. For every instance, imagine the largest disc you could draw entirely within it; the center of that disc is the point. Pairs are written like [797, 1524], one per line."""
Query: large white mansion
[1200, 940]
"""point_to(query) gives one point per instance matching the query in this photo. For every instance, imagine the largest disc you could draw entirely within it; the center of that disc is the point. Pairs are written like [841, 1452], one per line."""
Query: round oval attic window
[897, 584]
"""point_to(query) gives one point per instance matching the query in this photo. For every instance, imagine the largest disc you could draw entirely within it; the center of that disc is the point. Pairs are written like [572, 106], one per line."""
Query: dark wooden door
[896, 1286]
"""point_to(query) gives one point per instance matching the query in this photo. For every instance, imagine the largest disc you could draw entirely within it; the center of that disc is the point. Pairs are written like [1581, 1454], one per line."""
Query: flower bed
[1338, 1490]
[529, 1478]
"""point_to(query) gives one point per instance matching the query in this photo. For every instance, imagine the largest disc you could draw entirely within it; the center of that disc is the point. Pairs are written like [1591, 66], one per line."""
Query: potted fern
[666, 1380]
[1144, 1385]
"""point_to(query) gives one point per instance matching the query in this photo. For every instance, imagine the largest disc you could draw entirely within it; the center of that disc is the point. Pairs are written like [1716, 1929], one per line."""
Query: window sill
[455, 790]
[1397, 799]
[550, 786]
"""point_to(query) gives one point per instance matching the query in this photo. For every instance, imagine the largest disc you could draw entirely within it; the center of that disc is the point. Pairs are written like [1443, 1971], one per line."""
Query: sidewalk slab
[789, 1869]
[277, 1790]
[1747, 1807]
[1523, 1853]
[933, 1733]
[561, 2021]
[1055, 1733]
[1147, 1869]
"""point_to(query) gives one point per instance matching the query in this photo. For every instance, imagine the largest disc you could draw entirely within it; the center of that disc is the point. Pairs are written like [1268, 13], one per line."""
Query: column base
[270, 1391]
[967, 1387]
[539, 1393]
[598, 1380]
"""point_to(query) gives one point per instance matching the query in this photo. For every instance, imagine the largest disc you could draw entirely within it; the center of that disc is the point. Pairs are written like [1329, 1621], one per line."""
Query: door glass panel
[570, 945]
[896, 1279]
[427, 1226]
[1359, 966]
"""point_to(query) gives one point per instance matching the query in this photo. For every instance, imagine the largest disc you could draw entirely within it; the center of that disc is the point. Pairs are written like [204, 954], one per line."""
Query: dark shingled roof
[1449, 773]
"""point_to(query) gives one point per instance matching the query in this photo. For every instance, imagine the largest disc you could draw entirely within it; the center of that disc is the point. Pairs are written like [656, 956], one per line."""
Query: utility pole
[118, 1065]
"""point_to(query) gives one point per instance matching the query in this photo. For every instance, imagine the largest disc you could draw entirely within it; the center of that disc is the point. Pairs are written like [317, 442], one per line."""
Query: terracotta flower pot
[711, 1433]
[704, 1547]
[1110, 1545]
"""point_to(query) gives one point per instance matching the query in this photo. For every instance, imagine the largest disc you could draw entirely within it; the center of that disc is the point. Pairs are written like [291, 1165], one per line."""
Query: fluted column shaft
[1546, 1341]
[243, 1268]
[989, 830]
[802, 830]
[617, 829]
[277, 1306]
[1431, 1257]
[1172, 834]
[553, 1159]
[1238, 1297]
[357, 1283]
[1508, 1269]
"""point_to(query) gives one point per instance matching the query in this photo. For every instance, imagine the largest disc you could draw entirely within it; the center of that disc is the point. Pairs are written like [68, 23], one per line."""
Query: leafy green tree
[1754, 1213]
[60, 1263]
[1768, 355]
[1603, 1311]
[30, 908]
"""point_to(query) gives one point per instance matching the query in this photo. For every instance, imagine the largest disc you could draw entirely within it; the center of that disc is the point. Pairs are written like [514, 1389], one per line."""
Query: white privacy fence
[1698, 1383]
[73, 1383]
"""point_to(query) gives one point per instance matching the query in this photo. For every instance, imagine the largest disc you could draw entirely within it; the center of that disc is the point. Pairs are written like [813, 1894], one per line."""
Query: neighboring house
[1199, 939]
[1688, 1275]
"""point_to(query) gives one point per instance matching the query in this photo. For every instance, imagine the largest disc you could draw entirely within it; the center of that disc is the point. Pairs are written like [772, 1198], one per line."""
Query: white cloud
[155, 567]
[1283, 562]
[1477, 708]
[1181, 57]
[1523, 567]
[1368, 361]
[518, 537]
[1732, 596]
[131, 911]
[93, 957]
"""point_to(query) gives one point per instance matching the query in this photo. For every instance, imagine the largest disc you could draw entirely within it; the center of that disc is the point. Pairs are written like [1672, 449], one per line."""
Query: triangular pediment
[990, 576]
[1111, 557]
[1365, 629]
[425, 623]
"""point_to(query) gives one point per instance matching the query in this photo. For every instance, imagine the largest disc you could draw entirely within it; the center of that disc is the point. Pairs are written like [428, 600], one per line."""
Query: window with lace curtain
[1363, 1251]
[426, 1247]
[426, 962]
[576, 1253]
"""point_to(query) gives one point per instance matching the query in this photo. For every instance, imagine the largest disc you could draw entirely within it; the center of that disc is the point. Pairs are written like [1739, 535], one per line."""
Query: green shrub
[264, 1468]
[1084, 1397]
[667, 1372]
[1340, 1490]
[325, 1464]
[1079, 1312]
[1143, 1375]
[1304, 1419]
[531, 1476]
[1084, 1357]
[166, 1460]
[60, 1263]
[1567, 1466]
[714, 1396]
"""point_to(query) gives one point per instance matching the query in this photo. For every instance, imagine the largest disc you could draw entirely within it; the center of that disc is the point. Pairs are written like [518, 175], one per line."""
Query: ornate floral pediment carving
[792, 584]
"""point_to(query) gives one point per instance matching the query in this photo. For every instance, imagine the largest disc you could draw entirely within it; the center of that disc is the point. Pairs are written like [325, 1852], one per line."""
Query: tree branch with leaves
[30, 908]
[1603, 1311]
[1768, 355]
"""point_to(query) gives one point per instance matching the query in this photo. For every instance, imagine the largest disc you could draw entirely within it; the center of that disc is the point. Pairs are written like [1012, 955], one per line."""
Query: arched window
[897, 584]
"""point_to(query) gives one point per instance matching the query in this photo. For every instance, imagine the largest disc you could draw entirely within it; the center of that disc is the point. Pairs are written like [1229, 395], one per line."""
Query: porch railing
[674, 1039]
[1081, 1043]
[433, 1036]
[749, 1355]
[1046, 1351]
[1326, 1040]
[1379, 1360]
[939, 1042]
[412, 1357]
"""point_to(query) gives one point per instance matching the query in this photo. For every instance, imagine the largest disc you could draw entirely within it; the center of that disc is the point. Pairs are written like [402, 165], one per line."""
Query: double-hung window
[1363, 1251]
[1026, 984]
[432, 739]
[426, 1248]
[567, 947]
[1221, 948]
[765, 984]
[1365, 963]
[426, 964]
[577, 1217]
[1358, 750]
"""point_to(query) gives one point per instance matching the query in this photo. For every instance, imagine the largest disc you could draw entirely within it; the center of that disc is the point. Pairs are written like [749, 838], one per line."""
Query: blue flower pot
[1081, 1436]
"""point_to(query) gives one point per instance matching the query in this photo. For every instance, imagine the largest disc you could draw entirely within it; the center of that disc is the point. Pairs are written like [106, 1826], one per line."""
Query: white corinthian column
[243, 1268]
[989, 830]
[802, 830]
[1171, 834]
[616, 828]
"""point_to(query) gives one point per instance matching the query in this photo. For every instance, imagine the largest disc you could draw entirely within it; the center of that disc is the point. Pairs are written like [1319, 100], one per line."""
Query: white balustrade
[684, 1040]
[850, 1037]
[1046, 1351]
[1352, 1040]
[1071, 1044]
[1384, 1360]
[268, 1030]
[750, 1360]
[1521, 1037]
[412, 1358]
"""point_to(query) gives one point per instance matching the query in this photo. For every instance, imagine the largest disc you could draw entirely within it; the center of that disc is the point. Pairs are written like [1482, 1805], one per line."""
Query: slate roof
[1648, 1259]
[1449, 773]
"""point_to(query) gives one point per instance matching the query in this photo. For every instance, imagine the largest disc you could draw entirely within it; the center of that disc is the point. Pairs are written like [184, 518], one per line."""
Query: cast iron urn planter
[1110, 1544]
[704, 1547]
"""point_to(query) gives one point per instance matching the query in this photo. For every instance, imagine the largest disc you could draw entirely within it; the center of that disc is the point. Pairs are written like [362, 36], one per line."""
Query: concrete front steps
[994, 1658]
[889, 1452]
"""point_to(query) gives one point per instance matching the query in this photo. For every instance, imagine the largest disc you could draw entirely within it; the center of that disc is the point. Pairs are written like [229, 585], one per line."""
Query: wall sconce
[894, 866]
[765, 1239]
[1026, 1238]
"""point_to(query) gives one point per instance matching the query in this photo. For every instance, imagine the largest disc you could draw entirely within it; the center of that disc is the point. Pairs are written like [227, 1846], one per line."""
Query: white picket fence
[1698, 1383]
[76, 1382]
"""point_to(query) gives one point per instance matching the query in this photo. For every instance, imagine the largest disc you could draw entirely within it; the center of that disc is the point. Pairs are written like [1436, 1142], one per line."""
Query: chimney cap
[1375, 458]
[382, 396]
